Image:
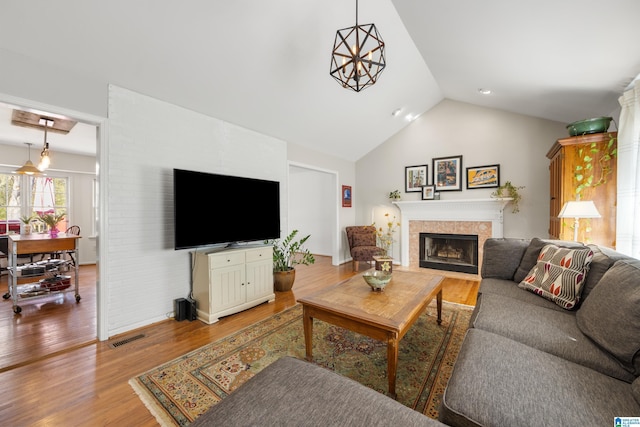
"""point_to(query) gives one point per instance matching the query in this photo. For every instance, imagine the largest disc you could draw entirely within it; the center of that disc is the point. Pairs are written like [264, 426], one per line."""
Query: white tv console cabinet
[227, 281]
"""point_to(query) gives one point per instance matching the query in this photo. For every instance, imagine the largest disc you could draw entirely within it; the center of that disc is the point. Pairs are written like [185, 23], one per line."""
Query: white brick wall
[147, 138]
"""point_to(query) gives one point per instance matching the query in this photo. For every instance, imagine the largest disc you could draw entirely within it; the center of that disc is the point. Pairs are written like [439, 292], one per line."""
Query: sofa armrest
[502, 257]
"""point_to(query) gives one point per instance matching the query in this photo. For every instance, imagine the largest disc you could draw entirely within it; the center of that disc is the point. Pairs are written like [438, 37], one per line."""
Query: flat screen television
[251, 212]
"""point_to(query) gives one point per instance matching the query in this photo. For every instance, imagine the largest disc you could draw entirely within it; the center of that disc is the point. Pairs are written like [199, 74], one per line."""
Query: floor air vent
[125, 341]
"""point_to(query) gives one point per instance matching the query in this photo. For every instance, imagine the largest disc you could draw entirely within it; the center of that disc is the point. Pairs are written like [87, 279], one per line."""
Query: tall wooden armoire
[584, 168]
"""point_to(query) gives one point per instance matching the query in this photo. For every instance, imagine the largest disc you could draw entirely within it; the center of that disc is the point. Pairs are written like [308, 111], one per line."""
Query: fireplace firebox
[450, 252]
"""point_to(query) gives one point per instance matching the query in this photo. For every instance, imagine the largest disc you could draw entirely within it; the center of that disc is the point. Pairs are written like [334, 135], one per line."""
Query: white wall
[483, 136]
[147, 139]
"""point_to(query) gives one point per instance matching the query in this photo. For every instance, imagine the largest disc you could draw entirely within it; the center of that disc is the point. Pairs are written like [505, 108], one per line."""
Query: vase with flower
[52, 220]
[385, 236]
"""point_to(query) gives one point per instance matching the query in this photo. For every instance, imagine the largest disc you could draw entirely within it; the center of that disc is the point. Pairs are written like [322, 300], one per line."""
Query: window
[49, 196]
[44, 195]
[10, 206]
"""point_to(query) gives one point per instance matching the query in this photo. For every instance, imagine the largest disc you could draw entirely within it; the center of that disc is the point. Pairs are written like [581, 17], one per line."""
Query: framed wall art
[483, 177]
[447, 173]
[346, 196]
[415, 177]
[428, 192]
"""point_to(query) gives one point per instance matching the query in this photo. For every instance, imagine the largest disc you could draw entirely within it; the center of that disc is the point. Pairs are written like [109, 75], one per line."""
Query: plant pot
[26, 229]
[283, 280]
[54, 232]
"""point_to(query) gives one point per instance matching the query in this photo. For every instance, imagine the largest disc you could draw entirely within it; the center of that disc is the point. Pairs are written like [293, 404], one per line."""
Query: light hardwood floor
[54, 373]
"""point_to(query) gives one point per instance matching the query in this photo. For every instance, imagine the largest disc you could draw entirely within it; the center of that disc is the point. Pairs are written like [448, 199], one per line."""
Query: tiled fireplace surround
[482, 217]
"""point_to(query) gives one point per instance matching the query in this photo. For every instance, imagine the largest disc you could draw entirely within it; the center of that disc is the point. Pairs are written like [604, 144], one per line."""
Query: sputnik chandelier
[358, 56]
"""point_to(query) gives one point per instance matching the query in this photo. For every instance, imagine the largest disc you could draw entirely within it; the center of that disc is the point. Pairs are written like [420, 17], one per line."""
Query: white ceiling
[264, 65]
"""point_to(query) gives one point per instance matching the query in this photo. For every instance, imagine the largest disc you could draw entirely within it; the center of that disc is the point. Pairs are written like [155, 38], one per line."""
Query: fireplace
[481, 217]
[451, 252]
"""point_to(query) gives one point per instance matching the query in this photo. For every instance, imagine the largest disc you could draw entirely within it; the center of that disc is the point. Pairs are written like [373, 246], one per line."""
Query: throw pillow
[530, 257]
[364, 239]
[559, 274]
[611, 314]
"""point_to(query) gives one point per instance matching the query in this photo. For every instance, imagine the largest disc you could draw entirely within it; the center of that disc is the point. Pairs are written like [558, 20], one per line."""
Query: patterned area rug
[182, 389]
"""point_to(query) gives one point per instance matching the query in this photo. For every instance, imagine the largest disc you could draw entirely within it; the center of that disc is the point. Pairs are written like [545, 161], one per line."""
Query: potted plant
[26, 223]
[509, 190]
[52, 220]
[394, 195]
[287, 253]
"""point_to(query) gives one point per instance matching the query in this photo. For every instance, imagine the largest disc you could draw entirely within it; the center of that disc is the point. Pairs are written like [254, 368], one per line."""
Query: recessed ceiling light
[485, 91]
[410, 117]
[396, 112]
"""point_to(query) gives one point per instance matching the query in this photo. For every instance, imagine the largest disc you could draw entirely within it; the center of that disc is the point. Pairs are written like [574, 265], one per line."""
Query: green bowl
[377, 279]
[584, 127]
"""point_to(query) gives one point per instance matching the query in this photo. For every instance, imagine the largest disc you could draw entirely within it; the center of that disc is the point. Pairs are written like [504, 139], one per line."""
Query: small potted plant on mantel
[509, 190]
[287, 253]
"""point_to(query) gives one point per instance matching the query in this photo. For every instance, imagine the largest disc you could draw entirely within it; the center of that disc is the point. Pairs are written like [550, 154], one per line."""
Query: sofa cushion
[500, 382]
[559, 274]
[611, 315]
[364, 239]
[510, 289]
[502, 257]
[600, 263]
[530, 256]
[552, 331]
[603, 259]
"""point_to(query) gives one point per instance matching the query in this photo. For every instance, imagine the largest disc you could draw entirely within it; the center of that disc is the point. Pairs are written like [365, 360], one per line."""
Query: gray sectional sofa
[527, 360]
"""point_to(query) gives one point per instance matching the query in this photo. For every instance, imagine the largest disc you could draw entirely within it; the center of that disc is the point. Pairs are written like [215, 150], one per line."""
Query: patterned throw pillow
[364, 239]
[559, 275]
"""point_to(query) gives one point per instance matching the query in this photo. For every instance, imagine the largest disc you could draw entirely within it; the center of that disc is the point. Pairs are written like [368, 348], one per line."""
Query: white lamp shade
[579, 209]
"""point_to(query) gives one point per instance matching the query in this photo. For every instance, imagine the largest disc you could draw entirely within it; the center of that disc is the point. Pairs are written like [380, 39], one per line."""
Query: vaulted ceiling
[264, 65]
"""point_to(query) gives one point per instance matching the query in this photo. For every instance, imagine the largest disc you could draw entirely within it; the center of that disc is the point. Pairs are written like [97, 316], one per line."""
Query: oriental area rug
[177, 392]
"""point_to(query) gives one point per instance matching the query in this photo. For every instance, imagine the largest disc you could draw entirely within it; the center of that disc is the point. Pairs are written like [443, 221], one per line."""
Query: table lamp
[579, 209]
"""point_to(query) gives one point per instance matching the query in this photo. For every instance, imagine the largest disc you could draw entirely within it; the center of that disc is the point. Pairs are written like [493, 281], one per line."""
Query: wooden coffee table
[385, 316]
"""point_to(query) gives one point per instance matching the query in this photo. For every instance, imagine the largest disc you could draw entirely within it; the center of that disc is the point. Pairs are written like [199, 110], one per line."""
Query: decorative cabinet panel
[584, 168]
[231, 280]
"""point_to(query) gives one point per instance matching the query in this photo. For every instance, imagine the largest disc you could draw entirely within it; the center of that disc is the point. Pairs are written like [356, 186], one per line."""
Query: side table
[383, 263]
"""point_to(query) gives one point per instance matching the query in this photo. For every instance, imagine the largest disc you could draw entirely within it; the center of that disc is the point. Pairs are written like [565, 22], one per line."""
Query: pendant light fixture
[28, 168]
[45, 160]
[358, 56]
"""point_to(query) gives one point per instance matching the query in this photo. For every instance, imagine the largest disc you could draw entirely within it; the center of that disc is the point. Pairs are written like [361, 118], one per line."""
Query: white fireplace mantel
[490, 209]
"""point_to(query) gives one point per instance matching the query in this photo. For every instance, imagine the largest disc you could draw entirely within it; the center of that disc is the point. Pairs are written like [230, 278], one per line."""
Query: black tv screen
[212, 209]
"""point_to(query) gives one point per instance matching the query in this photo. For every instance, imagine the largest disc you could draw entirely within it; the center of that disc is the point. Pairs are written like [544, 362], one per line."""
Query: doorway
[313, 207]
[86, 191]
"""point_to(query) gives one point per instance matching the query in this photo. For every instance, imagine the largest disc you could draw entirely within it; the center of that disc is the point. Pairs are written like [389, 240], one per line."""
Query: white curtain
[628, 217]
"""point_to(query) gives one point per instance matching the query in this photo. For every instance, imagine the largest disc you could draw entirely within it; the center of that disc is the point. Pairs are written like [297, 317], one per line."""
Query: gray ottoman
[292, 392]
